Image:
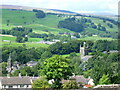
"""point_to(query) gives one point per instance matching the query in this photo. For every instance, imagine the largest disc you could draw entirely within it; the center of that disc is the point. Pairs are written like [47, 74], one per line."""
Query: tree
[77, 68]
[70, 85]
[40, 14]
[104, 80]
[73, 54]
[3, 66]
[71, 24]
[46, 54]
[57, 68]
[8, 21]
[110, 25]
[26, 39]
[40, 83]
[19, 39]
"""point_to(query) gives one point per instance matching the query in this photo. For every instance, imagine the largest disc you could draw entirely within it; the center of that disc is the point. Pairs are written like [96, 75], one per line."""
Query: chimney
[26, 75]
[33, 76]
[8, 75]
[19, 75]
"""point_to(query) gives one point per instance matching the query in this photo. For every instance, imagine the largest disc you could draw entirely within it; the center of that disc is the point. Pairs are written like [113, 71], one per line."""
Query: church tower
[82, 50]
[9, 64]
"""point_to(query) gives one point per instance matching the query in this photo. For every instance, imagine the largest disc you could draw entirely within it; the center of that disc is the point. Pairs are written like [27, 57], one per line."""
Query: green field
[9, 40]
[27, 44]
[28, 19]
[50, 22]
[94, 38]
[99, 21]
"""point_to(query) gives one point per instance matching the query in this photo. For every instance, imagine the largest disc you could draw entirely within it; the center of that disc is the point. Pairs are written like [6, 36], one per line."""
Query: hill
[14, 16]
[31, 8]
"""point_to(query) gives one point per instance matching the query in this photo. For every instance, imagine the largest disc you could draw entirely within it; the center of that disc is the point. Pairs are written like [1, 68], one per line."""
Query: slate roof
[78, 79]
[16, 80]
[81, 79]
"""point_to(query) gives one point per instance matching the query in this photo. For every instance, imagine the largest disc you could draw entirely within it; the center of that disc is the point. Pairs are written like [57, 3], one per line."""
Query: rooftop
[15, 80]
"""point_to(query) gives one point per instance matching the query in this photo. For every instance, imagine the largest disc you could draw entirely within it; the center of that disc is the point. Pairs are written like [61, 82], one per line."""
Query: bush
[40, 14]
[70, 85]
[41, 83]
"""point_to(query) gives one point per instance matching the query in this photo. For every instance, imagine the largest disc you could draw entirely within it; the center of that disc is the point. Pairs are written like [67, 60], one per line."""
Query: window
[21, 85]
[10, 86]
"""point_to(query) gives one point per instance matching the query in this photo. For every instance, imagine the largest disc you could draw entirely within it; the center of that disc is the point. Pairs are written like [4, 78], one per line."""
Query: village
[26, 81]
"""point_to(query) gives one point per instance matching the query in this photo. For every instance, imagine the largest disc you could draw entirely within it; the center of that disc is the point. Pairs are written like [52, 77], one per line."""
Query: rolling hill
[13, 16]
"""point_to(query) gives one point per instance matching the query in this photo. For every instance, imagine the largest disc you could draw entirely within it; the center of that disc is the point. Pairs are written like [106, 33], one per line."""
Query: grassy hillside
[12, 18]
[28, 19]
[99, 21]
[50, 22]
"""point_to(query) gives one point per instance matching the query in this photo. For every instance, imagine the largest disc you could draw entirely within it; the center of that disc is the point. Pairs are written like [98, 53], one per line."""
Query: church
[84, 53]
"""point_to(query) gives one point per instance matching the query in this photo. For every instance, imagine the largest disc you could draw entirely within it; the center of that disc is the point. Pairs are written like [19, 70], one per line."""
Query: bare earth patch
[7, 35]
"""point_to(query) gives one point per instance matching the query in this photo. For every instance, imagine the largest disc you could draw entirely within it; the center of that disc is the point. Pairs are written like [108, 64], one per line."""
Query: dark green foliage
[104, 45]
[110, 25]
[35, 35]
[26, 39]
[46, 55]
[70, 85]
[22, 54]
[6, 32]
[3, 70]
[77, 65]
[19, 39]
[114, 57]
[35, 10]
[100, 65]
[26, 70]
[93, 25]
[57, 68]
[18, 31]
[73, 54]
[40, 83]
[104, 79]
[104, 21]
[40, 14]
[103, 28]
[64, 48]
[71, 24]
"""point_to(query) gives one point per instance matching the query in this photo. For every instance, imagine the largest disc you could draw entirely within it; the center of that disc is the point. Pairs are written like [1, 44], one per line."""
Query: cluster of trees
[70, 23]
[23, 54]
[50, 36]
[78, 25]
[113, 35]
[39, 13]
[17, 31]
[110, 25]
[106, 19]
[57, 68]
[100, 27]
[103, 68]
[102, 18]
[64, 48]
[105, 45]
[20, 32]
[36, 35]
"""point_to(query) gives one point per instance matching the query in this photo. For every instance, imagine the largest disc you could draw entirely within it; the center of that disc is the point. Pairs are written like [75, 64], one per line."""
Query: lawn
[28, 19]
[94, 38]
[27, 44]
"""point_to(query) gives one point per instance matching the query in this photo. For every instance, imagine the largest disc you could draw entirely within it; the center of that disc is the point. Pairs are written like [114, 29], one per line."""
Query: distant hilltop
[31, 8]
